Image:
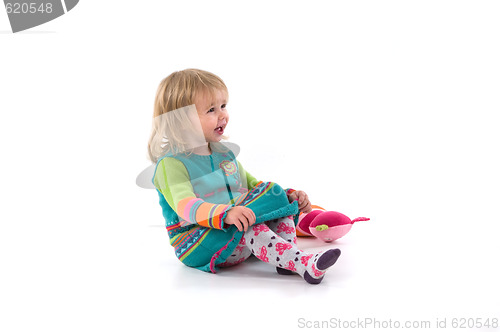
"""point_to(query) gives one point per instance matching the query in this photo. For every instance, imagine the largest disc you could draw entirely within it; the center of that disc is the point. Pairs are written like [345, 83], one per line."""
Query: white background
[383, 109]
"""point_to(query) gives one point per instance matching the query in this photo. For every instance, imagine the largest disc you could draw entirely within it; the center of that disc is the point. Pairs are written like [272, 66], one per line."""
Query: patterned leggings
[275, 242]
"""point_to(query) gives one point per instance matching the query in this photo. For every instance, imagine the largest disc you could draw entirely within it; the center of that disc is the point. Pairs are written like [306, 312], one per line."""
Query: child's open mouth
[219, 130]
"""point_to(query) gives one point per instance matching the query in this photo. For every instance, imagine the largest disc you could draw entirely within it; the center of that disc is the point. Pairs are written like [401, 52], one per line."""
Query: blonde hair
[178, 92]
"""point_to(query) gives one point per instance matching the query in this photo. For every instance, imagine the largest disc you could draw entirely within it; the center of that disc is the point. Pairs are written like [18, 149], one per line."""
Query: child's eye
[211, 110]
[223, 106]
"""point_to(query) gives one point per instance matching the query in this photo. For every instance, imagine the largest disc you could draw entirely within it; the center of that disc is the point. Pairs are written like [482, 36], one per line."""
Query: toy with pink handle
[325, 225]
[330, 225]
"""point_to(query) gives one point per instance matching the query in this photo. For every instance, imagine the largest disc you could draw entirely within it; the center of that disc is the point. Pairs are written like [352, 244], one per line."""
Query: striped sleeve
[247, 177]
[252, 181]
[172, 180]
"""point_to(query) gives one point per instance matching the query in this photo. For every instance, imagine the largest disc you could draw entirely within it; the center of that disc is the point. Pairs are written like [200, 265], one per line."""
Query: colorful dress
[197, 191]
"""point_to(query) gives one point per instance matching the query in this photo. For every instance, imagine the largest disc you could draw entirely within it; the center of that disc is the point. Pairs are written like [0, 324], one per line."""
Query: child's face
[213, 114]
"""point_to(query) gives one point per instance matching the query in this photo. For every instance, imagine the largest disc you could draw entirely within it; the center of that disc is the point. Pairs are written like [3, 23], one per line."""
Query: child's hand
[303, 200]
[241, 217]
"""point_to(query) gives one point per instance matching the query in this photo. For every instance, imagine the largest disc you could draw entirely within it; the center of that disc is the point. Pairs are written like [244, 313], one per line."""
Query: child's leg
[269, 247]
[285, 228]
[240, 254]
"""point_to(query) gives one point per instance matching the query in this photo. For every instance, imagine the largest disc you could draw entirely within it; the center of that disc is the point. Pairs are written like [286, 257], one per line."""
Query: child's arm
[241, 217]
[250, 180]
[299, 195]
[302, 200]
[173, 181]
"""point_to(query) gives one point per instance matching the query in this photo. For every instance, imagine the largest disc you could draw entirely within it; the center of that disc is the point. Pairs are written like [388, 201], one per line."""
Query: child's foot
[319, 266]
[283, 271]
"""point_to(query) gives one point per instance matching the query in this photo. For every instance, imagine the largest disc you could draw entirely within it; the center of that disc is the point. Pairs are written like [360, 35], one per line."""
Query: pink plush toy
[325, 225]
